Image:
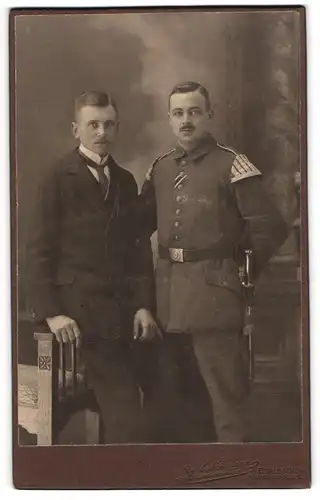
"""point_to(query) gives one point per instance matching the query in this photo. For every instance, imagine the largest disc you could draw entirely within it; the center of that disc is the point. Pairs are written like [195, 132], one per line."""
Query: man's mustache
[187, 127]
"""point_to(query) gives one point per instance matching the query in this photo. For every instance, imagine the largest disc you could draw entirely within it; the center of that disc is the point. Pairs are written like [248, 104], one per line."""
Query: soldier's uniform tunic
[202, 203]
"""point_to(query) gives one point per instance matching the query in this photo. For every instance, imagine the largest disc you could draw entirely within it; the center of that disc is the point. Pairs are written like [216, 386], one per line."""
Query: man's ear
[75, 132]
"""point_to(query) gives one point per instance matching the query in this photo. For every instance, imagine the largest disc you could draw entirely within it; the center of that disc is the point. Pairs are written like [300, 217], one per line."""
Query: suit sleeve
[43, 248]
[265, 228]
[147, 210]
[139, 261]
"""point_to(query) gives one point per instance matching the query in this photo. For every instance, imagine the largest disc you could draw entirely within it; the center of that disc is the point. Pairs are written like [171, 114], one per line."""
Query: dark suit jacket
[84, 259]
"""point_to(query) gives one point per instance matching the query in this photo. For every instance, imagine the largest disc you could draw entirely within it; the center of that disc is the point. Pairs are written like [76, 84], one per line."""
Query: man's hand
[65, 329]
[144, 326]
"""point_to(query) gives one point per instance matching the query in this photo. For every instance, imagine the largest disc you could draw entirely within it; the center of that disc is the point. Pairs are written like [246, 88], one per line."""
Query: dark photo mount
[258, 109]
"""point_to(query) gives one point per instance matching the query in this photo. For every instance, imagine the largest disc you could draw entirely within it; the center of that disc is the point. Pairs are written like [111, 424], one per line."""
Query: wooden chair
[62, 391]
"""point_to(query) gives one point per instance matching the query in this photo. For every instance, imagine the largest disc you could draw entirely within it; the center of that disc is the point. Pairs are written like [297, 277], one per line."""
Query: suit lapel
[86, 186]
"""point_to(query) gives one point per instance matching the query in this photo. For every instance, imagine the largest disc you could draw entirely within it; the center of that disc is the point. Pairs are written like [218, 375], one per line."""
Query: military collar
[202, 149]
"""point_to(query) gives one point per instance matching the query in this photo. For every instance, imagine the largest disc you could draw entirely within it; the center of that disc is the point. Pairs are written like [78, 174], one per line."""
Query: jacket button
[176, 224]
[180, 186]
[178, 211]
[183, 163]
[176, 237]
[178, 199]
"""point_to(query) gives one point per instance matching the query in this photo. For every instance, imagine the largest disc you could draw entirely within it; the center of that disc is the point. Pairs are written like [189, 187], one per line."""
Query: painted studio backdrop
[249, 63]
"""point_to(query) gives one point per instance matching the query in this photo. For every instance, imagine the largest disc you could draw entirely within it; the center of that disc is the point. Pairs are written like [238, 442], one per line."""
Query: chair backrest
[57, 380]
[60, 376]
[48, 386]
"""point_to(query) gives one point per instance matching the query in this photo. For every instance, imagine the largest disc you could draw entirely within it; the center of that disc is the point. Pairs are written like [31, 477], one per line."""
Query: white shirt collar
[93, 156]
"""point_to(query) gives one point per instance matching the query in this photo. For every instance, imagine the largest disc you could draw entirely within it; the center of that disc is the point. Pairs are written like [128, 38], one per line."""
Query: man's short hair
[185, 87]
[94, 98]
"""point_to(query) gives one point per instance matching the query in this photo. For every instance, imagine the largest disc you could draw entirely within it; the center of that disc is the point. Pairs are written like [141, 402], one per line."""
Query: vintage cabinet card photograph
[160, 328]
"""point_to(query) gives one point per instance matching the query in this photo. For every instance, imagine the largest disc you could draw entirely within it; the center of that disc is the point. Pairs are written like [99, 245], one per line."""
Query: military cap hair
[185, 87]
[94, 98]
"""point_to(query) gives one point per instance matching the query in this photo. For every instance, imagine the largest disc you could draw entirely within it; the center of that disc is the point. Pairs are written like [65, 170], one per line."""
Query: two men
[88, 269]
[89, 279]
[203, 198]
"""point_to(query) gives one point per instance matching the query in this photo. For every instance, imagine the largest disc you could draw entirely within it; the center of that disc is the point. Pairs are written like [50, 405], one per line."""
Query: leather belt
[185, 255]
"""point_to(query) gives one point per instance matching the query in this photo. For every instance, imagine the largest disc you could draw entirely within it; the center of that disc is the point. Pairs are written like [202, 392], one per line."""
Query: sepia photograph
[159, 246]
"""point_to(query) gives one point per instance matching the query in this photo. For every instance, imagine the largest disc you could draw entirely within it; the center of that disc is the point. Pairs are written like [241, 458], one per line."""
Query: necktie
[102, 178]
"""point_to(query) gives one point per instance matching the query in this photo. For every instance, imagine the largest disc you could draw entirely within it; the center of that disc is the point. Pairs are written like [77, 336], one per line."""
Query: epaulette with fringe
[149, 173]
[241, 168]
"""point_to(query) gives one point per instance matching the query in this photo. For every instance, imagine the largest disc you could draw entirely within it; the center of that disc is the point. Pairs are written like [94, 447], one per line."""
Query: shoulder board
[231, 150]
[150, 171]
[242, 168]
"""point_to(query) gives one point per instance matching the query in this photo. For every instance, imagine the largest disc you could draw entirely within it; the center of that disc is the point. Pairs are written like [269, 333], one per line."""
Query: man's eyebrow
[181, 109]
[102, 121]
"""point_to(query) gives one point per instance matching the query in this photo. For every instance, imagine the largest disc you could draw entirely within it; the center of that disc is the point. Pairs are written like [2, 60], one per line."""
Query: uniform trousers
[202, 387]
[177, 405]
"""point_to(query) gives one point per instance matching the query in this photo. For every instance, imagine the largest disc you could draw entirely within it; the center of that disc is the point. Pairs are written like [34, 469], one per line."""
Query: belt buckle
[176, 254]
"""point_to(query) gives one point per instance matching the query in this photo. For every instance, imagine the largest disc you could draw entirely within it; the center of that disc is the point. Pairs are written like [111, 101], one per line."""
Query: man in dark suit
[202, 198]
[88, 272]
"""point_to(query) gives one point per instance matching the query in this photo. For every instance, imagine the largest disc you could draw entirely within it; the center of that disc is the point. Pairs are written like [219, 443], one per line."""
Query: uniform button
[180, 186]
[176, 224]
[183, 163]
[178, 199]
[176, 237]
[178, 211]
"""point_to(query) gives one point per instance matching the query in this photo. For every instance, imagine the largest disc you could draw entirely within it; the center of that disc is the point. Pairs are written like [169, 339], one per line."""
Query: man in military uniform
[202, 198]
